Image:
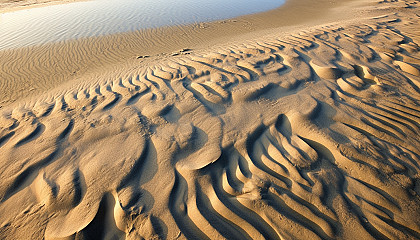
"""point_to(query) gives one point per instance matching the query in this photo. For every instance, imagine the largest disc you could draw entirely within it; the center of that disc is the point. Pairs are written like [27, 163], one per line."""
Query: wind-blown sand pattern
[312, 135]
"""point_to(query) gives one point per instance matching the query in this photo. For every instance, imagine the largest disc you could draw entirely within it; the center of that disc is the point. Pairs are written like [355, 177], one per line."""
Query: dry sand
[14, 5]
[299, 123]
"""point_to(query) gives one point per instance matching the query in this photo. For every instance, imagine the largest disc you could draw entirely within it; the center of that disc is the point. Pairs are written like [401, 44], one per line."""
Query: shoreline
[242, 129]
[95, 53]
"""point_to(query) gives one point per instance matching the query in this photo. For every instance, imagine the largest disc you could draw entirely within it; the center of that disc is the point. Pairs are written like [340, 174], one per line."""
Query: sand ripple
[314, 135]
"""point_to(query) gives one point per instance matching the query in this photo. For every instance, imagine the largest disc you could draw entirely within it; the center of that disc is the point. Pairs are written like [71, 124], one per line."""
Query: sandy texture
[14, 5]
[31, 71]
[303, 134]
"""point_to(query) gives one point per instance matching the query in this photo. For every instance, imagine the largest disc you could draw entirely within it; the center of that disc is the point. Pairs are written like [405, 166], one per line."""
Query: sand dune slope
[310, 136]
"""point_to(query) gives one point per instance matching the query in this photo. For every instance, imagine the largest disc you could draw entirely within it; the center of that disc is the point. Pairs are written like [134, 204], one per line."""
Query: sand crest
[313, 134]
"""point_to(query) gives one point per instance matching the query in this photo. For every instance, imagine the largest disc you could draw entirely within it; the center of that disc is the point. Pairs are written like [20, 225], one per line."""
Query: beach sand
[14, 5]
[298, 123]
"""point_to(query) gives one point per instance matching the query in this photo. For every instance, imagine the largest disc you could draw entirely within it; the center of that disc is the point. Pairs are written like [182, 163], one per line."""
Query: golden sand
[260, 127]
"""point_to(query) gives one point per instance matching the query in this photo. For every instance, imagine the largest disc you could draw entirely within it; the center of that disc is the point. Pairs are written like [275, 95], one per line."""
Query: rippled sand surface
[288, 133]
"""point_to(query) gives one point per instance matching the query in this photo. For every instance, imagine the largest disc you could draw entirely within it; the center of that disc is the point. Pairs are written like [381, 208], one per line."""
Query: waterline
[102, 17]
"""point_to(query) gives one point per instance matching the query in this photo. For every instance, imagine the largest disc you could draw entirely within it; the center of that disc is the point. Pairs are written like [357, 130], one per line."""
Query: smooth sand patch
[264, 132]
[15, 5]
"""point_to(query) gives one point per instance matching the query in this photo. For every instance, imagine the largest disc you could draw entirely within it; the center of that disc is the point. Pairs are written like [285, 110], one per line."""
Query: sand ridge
[30, 71]
[311, 135]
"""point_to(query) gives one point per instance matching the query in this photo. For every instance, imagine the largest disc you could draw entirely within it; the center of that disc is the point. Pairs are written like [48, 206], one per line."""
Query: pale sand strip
[309, 134]
[15, 5]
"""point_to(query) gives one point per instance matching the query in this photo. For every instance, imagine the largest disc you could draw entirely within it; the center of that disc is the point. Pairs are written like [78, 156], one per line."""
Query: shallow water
[101, 17]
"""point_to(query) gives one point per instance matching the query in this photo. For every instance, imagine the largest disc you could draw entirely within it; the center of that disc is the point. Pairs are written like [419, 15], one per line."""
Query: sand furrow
[310, 134]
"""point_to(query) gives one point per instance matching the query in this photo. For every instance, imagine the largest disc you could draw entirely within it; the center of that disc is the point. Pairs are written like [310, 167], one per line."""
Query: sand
[15, 5]
[249, 128]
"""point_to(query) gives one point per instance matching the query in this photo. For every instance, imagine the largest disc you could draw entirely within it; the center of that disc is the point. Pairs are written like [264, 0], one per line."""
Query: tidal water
[76, 20]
